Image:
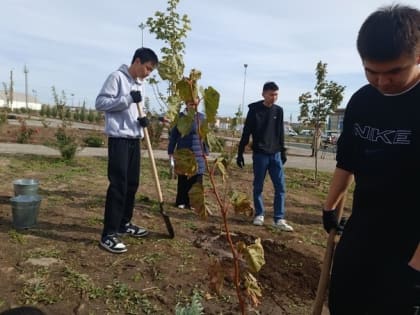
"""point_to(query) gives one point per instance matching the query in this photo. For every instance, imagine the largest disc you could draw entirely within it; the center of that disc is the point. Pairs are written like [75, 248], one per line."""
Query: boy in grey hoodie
[117, 98]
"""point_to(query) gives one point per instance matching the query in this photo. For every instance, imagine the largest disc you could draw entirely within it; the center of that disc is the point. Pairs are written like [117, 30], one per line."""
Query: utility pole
[25, 70]
[142, 26]
[243, 95]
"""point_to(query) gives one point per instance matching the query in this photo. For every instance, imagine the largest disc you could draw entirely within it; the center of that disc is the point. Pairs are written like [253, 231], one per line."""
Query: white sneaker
[283, 226]
[258, 220]
[181, 206]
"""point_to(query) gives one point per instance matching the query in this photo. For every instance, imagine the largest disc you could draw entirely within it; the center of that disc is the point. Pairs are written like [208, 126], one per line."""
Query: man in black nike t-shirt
[376, 267]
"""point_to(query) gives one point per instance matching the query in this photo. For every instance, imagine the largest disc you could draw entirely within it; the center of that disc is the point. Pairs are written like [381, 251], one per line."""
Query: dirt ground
[58, 265]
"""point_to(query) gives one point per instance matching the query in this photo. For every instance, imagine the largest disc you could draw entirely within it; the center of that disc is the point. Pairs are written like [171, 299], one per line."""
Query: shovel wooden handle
[327, 262]
[151, 156]
[165, 216]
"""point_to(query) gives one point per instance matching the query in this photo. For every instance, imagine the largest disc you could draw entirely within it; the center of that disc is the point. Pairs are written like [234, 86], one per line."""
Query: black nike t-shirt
[380, 145]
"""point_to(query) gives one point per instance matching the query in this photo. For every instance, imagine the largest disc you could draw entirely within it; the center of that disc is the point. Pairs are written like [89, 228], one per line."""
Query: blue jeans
[271, 163]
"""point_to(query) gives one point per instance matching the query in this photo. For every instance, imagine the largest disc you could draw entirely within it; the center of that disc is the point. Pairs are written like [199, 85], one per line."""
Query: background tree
[48, 111]
[82, 116]
[67, 114]
[236, 121]
[76, 114]
[172, 29]
[316, 107]
[91, 116]
[60, 102]
[6, 94]
[8, 90]
[11, 87]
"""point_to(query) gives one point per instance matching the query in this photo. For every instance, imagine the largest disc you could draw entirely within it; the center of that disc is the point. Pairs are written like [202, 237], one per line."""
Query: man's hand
[240, 161]
[329, 219]
[143, 121]
[283, 156]
[136, 95]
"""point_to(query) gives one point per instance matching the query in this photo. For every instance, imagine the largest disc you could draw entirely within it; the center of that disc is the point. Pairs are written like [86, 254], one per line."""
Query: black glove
[329, 219]
[240, 160]
[143, 121]
[283, 156]
[136, 95]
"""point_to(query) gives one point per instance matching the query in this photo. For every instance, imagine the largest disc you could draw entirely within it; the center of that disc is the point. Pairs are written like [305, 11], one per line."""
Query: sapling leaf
[252, 288]
[211, 103]
[241, 203]
[196, 196]
[253, 254]
[185, 162]
[184, 88]
[185, 123]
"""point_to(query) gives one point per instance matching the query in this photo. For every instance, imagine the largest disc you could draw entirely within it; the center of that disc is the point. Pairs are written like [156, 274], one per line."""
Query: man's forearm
[415, 260]
[340, 182]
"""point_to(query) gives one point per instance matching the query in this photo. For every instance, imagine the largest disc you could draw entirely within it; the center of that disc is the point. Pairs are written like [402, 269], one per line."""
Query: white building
[19, 101]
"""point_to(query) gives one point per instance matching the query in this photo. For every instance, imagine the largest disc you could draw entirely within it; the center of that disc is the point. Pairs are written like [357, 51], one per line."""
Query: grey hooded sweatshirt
[115, 100]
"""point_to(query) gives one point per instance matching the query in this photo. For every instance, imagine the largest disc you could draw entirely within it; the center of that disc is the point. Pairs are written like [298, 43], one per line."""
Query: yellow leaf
[185, 90]
[254, 256]
[220, 164]
[196, 196]
[185, 162]
[252, 288]
[241, 203]
[211, 103]
[185, 123]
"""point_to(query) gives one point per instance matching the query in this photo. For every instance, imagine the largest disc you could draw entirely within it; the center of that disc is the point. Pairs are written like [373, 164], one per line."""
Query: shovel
[165, 216]
[326, 265]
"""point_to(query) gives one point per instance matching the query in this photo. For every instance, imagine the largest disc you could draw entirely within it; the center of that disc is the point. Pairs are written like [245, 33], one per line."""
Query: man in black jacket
[264, 122]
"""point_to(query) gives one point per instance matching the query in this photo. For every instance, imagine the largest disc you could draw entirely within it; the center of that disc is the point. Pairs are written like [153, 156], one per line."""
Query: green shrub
[25, 133]
[3, 117]
[93, 141]
[66, 144]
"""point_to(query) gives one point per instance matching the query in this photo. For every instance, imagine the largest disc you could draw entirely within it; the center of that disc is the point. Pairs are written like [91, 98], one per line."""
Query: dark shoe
[133, 230]
[112, 244]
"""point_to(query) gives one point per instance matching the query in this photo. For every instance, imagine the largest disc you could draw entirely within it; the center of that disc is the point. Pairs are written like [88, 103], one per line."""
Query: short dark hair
[145, 55]
[389, 32]
[270, 86]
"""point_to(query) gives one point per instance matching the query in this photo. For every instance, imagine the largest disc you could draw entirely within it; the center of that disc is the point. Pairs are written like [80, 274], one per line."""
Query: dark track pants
[366, 281]
[123, 175]
[184, 186]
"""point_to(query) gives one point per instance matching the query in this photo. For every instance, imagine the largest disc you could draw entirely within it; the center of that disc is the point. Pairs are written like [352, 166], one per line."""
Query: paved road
[297, 157]
[298, 154]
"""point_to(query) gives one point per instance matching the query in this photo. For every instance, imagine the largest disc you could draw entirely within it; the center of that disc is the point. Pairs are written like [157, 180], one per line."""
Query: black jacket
[265, 124]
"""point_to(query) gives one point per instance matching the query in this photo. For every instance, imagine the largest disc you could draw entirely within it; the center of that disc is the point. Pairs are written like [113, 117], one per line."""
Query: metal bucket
[25, 210]
[26, 186]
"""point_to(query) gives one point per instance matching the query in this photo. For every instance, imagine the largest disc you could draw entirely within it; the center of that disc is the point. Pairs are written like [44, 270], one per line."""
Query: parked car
[330, 137]
[290, 132]
[306, 132]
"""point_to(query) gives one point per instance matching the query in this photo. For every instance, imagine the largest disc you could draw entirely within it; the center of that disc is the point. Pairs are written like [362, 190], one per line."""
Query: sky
[74, 45]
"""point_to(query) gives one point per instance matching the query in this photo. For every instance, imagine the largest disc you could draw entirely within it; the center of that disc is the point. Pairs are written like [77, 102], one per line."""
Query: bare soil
[58, 265]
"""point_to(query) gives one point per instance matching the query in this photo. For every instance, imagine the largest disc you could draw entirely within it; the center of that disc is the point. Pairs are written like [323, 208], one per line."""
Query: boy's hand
[144, 121]
[136, 95]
